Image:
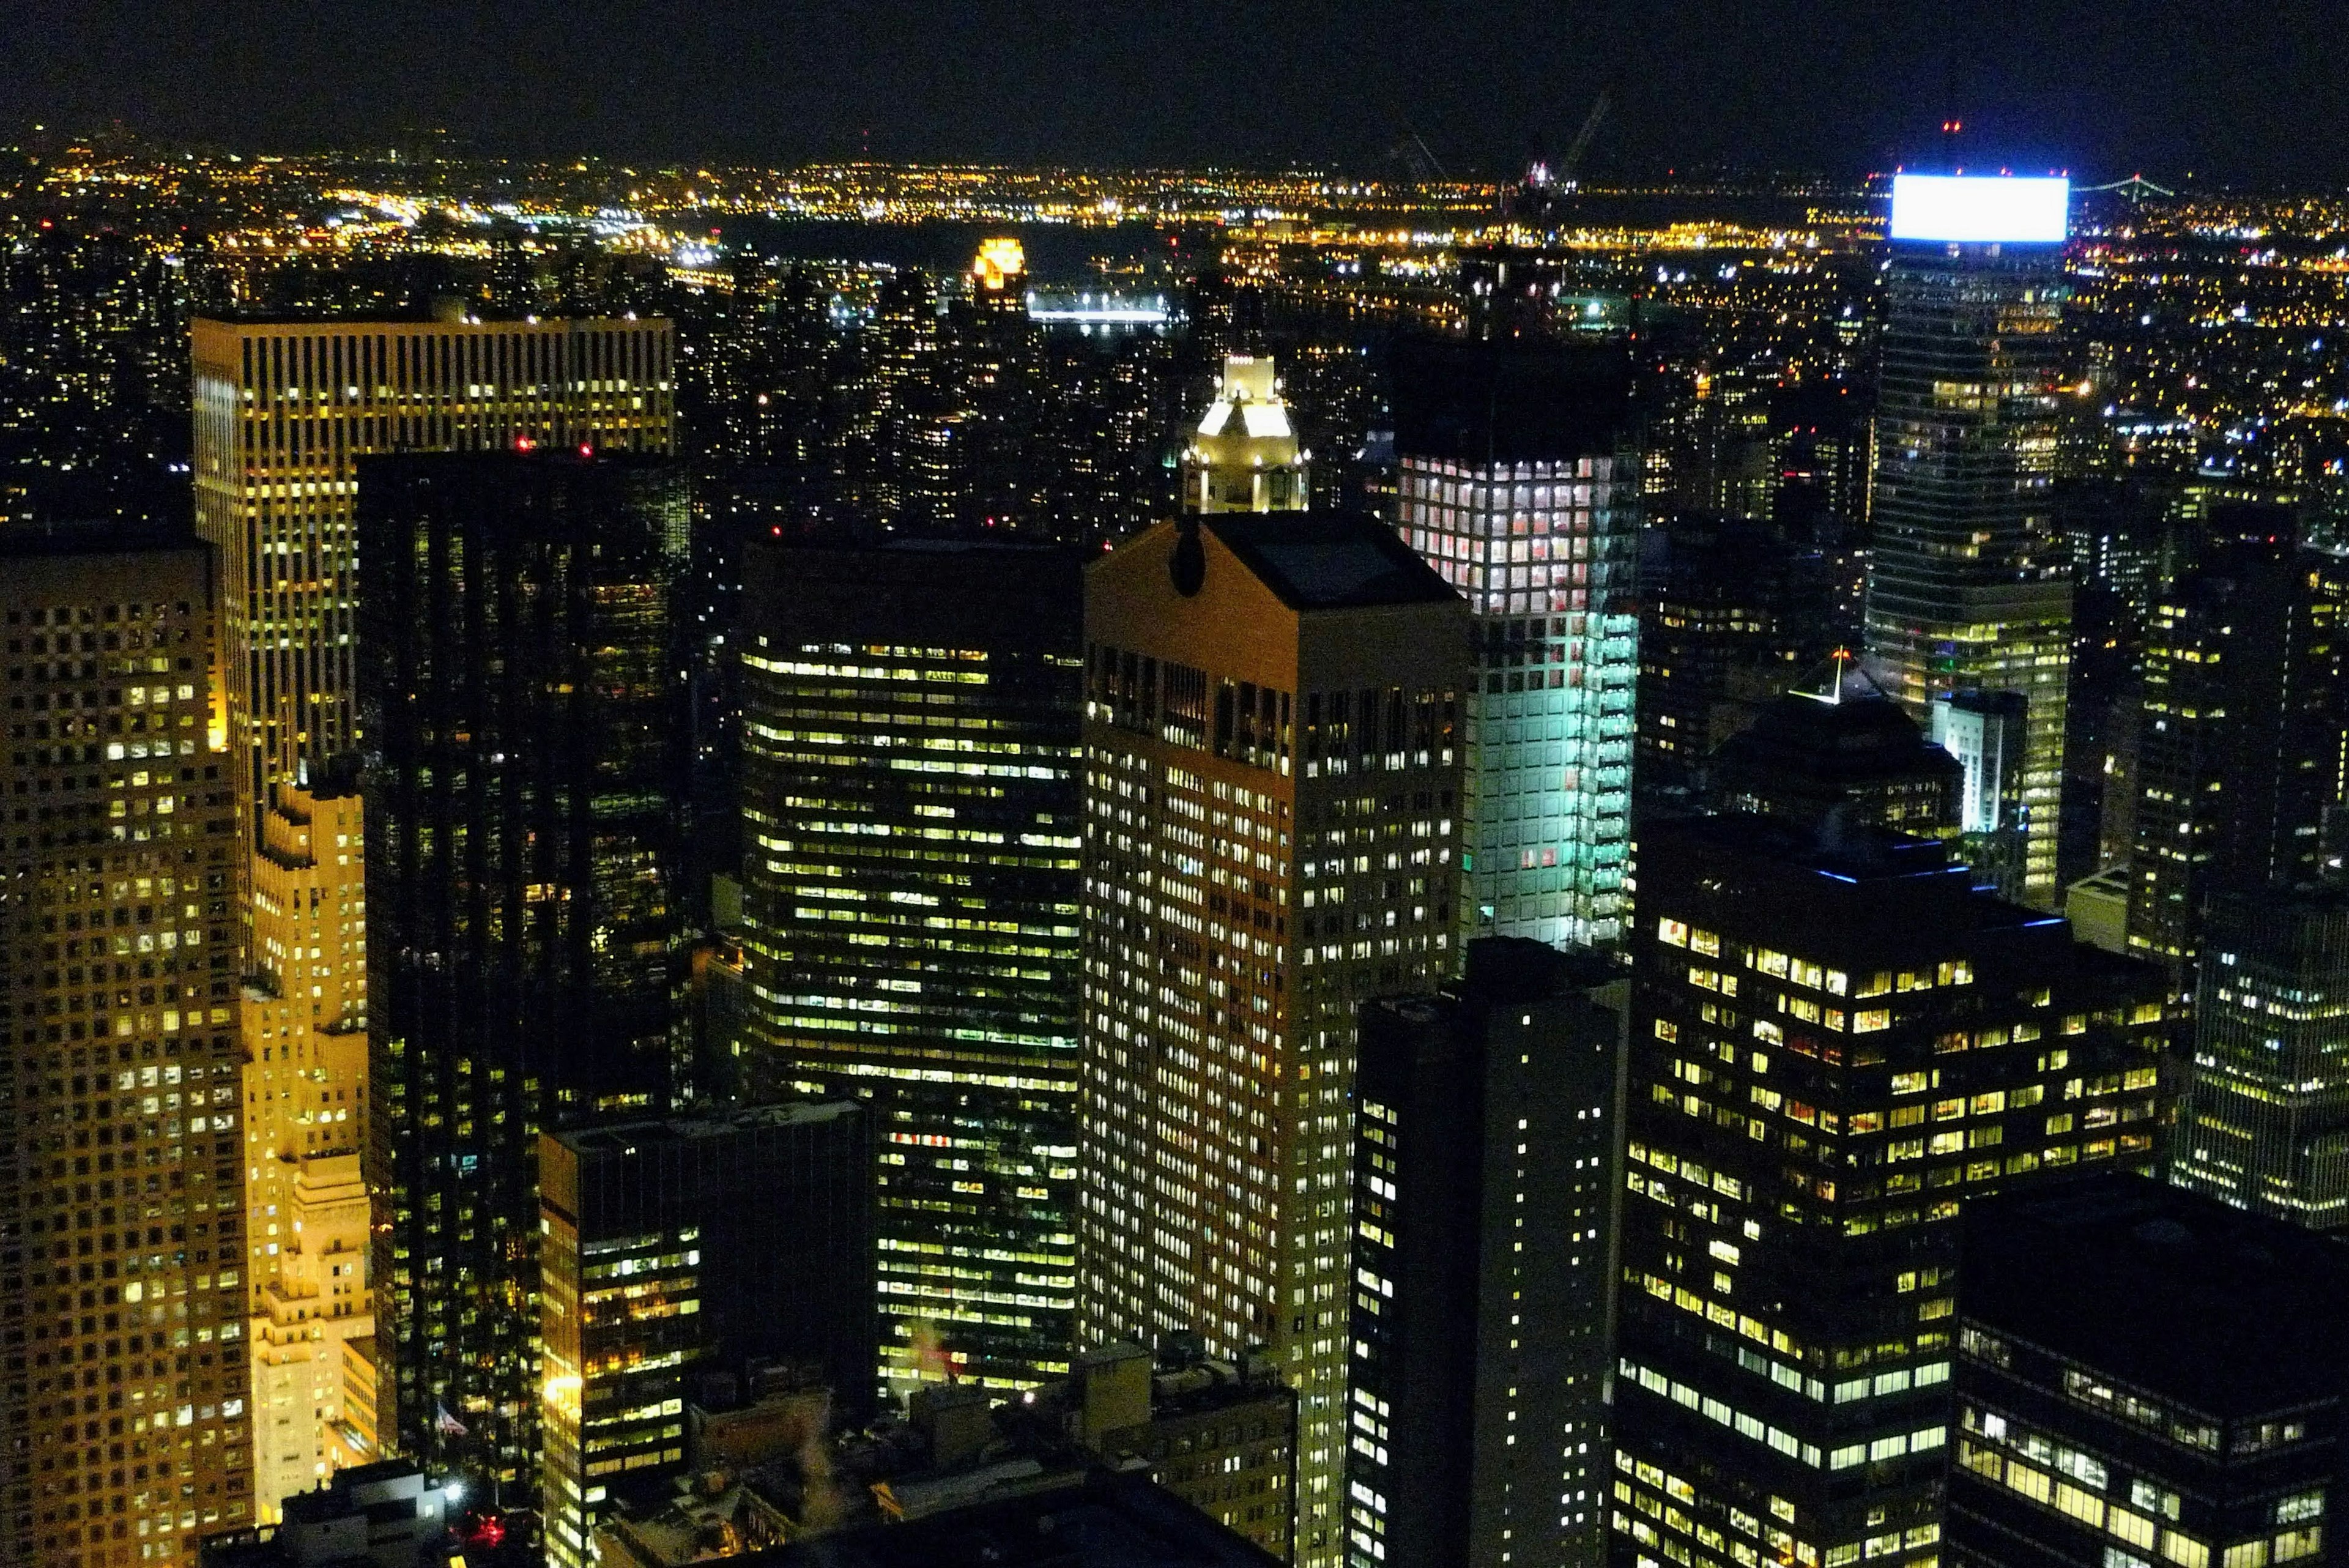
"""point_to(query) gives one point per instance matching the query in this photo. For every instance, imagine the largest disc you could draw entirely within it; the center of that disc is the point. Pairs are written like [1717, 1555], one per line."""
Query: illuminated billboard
[1978, 209]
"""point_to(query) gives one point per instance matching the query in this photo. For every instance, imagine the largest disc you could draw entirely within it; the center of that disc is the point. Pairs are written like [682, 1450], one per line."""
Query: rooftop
[1317, 560]
[2232, 1313]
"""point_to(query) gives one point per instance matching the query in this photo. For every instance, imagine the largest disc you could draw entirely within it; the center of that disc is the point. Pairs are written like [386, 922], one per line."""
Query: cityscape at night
[1381, 788]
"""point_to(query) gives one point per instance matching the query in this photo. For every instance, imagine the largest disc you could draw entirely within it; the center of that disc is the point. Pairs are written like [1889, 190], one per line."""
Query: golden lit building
[999, 265]
[1244, 457]
[285, 409]
[1272, 776]
[307, 1227]
[123, 1428]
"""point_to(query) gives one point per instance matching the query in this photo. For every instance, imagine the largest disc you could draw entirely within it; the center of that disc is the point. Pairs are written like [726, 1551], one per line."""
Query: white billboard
[1980, 208]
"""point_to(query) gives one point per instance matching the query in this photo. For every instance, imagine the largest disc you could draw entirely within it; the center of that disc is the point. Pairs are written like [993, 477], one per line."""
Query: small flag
[445, 1424]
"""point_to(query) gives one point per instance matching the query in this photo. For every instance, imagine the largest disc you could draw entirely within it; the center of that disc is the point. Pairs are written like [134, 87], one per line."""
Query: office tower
[1220, 1435]
[2145, 1375]
[1989, 733]
[1519, 487]
[911, 883]
[122, 1416]
[1967, 591]
[1729, 616]
[522, 700]
[284, 412]
[307, 1223]
[2240, 746]
[670, 1246]
[1484, 1194]
[1244, 457]
[2265, 1119]
[1840, 751]
[1834, 1043]
[1271, 794]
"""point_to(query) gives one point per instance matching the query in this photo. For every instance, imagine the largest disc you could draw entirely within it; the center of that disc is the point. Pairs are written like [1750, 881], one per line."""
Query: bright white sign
[1979, 209]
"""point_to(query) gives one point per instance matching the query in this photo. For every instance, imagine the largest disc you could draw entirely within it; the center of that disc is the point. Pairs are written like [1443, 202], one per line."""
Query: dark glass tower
[522, 712]
[2240, 747]
[1485, 1184]
[1834, 1045]
[911, 886]
[1968, 589]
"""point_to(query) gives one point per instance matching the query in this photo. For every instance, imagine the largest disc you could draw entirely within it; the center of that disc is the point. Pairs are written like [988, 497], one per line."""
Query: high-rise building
[2240, 749]
[911, 884]
[1245, 455]
[309, 1229]
[1840, 751]
[2265, 1119]
[1989, 733]
[1966, 590]
[1519, 486]
[123, 1414]
[1835, 1043]
[1484, 1196]
[1729, 616]
[523, 707]
[672, 1247]
[2145, 1375]
[1271, 797]
[284, 412]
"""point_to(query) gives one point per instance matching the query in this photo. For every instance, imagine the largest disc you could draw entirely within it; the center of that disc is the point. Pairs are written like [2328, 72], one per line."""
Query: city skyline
[1455, 859]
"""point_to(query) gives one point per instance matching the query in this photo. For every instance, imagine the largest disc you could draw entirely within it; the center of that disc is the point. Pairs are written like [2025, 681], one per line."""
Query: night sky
[2231, 90]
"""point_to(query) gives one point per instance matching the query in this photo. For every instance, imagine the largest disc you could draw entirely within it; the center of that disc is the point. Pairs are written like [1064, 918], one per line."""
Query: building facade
[524, 711]
[672, 1247]
[1520, 487]
[284, 412]
[307, 1223]
[2240, 752]
[1968, 589]
[911, 883]
[1271, 794]
[1485, 1198]
[2265, 1119]
[123, 1414]
[1836, 1043]
[2145, 1375]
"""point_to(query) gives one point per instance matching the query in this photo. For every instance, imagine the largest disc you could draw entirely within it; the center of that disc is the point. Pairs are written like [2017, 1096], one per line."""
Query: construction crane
[1572, 163]
[1413, 152]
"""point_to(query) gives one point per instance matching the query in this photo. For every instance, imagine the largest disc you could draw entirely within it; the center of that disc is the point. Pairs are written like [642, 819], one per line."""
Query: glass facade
[524, 712]
[1545, 552]
[910, 895]
[1967, 591]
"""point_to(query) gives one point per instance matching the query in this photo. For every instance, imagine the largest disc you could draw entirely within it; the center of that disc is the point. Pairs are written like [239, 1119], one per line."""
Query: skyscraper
[911, 883]
[2241, 742]
[700, 1241]
[1519, 487]
[1967, 591]
[1833, 1043]
[2265, 1119]
[1271, 797]
[308, 1227]
[2145, 1375]
[123, 1414]
[1245, 455]
[520, 687]
[285, 411]
[1841, 752]
[1485, 1198]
